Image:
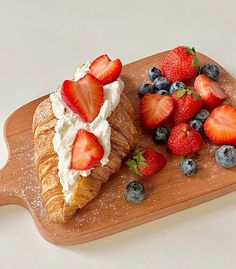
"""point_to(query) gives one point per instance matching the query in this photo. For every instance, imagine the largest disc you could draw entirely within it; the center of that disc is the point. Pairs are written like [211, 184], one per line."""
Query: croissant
[123, 140]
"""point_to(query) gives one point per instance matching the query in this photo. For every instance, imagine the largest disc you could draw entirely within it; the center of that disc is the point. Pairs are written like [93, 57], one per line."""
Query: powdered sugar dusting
[27, 188]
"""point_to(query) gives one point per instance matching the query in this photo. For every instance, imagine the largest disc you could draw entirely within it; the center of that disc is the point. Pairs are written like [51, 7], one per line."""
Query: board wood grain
[167, 191]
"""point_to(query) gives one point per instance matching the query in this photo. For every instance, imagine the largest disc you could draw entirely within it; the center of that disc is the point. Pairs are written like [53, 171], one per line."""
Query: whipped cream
[69, 123]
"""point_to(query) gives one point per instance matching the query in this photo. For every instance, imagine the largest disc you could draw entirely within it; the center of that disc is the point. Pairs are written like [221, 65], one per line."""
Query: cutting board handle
[10, 174]
[8, 187]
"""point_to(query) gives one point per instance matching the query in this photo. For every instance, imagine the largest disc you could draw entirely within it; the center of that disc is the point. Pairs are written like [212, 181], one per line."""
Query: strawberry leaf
[138, 155]
[195, 61]
[140, 158]
[143, 164]
[137, 151]
[196, 96]
[180, 93]
[190, 91]
[134, 167]
[131, 163]
[137, 161]
[193, 49]
[190, 50]
[138, 173]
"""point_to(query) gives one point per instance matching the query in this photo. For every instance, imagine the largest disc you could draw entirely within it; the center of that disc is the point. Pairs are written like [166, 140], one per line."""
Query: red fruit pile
[179, 109]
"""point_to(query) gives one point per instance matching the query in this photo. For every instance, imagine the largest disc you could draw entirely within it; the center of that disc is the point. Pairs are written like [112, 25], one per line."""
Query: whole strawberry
[146, 161]
[184, 140]
[180, 64]
[187, 104]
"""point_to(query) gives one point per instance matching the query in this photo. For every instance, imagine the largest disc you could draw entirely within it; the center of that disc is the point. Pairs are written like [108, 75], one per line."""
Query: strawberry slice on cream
[106, 70]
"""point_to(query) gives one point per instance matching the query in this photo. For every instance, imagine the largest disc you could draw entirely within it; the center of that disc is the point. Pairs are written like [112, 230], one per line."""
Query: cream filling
[69, 123]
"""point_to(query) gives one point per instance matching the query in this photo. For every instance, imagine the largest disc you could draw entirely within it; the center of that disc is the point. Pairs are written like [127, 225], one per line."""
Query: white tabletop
[41, 44]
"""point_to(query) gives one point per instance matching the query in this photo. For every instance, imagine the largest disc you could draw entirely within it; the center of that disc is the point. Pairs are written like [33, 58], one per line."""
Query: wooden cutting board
[167, 192]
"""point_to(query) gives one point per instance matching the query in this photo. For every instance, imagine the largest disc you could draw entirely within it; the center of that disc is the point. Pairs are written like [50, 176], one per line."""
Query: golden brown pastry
[123, 140]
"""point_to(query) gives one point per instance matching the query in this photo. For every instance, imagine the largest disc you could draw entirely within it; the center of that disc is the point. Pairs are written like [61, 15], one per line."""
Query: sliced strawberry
[220, 126]
[86, 152]
[84, 97]
[210, 91]
[106, 70]
[155, 109]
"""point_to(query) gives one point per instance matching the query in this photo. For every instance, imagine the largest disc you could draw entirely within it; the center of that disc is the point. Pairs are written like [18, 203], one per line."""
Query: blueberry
[196, 124]
[188, 167]
[161, 134]
[153, 73]
[226, 156]
[145, 88]
[161, 83]
[163, 92]
[176, 85]
[202, 115]
[210, 70]
[134, 192]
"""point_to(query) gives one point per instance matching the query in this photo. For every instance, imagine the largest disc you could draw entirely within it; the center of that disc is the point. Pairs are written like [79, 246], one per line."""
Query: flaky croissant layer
[123, 140]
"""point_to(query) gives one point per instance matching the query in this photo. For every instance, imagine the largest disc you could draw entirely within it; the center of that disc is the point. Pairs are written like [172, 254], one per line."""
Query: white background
[41, 44]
